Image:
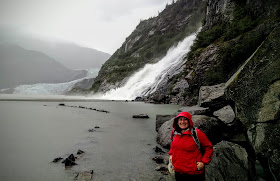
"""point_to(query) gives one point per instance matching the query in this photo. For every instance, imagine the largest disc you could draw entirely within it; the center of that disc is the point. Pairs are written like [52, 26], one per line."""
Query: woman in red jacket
[188, 162]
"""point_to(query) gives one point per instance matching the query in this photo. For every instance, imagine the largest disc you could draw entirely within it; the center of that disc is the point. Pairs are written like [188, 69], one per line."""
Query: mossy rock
[256, 93]
[253, 82]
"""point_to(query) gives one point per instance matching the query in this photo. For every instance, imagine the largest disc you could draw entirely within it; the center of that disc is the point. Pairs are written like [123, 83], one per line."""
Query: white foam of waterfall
[146, 80]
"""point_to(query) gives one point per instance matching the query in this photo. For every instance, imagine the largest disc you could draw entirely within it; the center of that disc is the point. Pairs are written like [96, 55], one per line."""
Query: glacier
[52, 89]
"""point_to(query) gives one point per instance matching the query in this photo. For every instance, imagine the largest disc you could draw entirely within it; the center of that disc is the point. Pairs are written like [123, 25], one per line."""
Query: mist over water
[146, 80]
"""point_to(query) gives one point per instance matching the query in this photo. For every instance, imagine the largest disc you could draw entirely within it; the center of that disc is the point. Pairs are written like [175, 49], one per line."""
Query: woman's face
[183, 122]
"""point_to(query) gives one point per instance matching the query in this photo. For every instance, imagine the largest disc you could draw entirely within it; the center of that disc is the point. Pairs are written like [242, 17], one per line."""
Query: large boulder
[226, 114]
[212, 96]
[255, 89]
[164, 133]
[211, 126]
[160, 119]
[229, 162]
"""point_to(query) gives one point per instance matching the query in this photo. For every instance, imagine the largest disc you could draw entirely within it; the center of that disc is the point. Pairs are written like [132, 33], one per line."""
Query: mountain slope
[149, 42]
[20, 66]
[70, 55]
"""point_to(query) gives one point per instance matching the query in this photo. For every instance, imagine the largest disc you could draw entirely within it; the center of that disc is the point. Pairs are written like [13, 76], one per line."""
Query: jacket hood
[183, 114]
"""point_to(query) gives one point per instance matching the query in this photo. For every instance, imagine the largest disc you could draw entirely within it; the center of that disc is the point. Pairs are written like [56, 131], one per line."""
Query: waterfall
[146, 80]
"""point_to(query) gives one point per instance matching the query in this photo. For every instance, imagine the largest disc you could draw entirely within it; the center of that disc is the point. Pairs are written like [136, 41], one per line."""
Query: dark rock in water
[158, 150]
[140, 116]
[101, 110]
[96, 127]
[82, 107]
[61, 104]
[80, 152]
[70, 161]
[90, 130]
[84, 176]
[57, 160]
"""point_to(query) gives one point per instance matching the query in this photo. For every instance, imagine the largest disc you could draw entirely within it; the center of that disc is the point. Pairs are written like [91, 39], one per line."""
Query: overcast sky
[98, 24]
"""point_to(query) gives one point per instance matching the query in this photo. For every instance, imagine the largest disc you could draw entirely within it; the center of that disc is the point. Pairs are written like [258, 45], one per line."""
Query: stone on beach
[84, 176]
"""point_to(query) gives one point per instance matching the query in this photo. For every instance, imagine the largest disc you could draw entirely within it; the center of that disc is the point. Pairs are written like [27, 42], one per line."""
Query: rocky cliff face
[256, 94]
[232, 31]
[233, 69]
[150, 41]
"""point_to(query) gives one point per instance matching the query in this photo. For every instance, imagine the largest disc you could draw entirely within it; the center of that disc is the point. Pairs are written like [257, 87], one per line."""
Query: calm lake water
[33, 133]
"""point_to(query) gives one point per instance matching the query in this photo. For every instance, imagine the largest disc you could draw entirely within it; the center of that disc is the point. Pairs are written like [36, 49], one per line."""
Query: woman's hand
[170, 158]
[200, 165]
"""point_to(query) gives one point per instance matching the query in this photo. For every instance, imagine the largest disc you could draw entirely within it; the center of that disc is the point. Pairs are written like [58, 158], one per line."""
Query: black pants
[186, 177]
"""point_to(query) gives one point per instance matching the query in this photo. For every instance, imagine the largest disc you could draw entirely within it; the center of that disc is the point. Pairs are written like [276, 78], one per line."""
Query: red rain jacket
[185, 153]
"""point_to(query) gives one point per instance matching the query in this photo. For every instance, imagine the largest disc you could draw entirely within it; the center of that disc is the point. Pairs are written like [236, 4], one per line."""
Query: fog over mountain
[67, 53]
[19, 66]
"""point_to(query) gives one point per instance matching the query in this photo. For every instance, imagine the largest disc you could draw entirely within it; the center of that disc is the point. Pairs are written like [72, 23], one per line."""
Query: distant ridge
[69, 54]
[19, 66]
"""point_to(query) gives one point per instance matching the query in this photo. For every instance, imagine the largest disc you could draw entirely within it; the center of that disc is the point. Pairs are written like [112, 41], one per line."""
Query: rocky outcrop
[82, 87]
[218, 11]
[230, 160]
[255, 91]
[251, 122]
[212, 96]
[232, 31]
